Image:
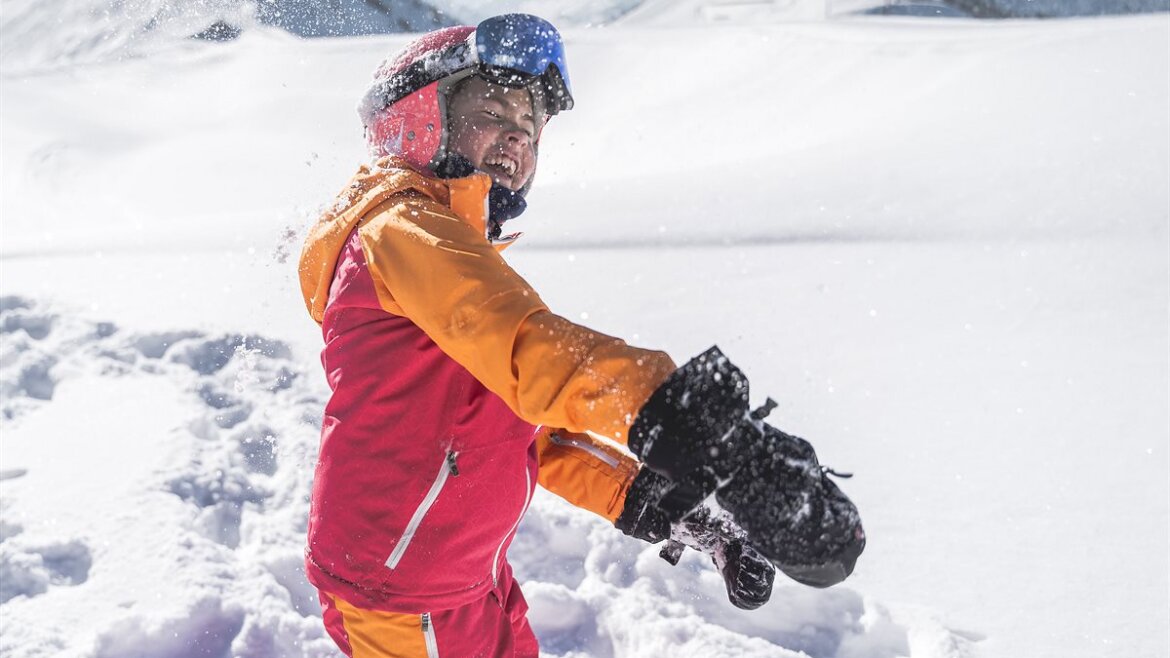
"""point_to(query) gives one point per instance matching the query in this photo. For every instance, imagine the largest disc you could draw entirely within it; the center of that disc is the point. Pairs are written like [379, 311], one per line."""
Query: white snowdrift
[158, 506]
[941, 245]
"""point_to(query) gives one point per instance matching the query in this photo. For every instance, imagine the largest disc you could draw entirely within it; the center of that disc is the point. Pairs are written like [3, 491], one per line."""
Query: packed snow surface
[941, 245]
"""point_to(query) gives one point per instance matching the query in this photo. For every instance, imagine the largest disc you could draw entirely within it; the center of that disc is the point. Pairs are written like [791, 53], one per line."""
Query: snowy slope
[941, 245]
[41, 36]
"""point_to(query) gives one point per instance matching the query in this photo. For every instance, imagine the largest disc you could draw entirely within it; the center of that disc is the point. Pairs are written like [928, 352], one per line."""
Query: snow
[941, 245]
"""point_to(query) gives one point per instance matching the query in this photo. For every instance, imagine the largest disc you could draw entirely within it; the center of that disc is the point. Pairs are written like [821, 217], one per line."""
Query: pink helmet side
[403, 111]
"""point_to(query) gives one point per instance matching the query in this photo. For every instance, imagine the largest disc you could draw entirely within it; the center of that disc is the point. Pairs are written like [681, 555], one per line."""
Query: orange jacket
[422, 247]
[424, 240]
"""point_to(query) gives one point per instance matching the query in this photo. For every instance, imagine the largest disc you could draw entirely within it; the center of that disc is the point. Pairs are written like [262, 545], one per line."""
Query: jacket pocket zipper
[527, 499]
[428, 630]
[447, 469]
[604, 456]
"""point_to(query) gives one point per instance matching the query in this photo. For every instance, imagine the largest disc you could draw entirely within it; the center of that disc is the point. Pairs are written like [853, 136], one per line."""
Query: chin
[507, 183]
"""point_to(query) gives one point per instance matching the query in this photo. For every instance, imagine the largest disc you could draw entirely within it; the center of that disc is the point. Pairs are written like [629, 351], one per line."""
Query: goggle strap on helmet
[431, 67]
[446, 62]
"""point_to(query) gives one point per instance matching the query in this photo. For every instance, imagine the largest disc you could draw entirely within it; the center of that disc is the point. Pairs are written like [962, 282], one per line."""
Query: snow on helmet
[404, 111]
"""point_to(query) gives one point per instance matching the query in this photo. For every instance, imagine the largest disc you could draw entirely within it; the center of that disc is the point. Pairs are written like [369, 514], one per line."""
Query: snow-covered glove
[697, 430]
[747, 575]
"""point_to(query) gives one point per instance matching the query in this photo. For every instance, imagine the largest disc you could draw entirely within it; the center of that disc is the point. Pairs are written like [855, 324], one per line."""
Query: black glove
[793, 512]
[747, 575]
[697, 430]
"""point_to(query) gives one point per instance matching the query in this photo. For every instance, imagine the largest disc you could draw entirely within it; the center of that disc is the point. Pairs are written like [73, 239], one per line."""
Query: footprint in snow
[31, 570]
[220, 493]
[37, 342]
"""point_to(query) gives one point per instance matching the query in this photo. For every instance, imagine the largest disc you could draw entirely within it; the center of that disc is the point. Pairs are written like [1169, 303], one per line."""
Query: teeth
[503, 162]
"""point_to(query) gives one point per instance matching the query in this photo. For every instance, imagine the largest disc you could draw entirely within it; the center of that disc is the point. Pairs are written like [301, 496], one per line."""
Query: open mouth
[499, 163]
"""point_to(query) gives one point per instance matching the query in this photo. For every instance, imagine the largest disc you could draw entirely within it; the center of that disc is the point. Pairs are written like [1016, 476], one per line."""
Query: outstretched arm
[437, 270]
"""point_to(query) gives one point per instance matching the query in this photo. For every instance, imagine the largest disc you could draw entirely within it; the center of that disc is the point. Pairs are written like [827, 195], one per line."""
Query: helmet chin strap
[503, 203]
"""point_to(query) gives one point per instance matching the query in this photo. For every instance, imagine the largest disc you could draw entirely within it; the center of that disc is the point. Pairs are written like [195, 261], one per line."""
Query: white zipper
[527, 498]
[586, 446]
[428, 630]
[447, 469]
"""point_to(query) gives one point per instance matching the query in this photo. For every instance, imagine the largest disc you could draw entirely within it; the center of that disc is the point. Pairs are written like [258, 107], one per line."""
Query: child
[456, 390]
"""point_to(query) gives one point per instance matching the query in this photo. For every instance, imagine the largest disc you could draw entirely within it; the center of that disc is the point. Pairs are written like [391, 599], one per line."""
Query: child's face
[495, 128]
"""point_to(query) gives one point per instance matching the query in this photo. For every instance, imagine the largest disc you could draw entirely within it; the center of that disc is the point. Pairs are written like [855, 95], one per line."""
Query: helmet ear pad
[412, 128]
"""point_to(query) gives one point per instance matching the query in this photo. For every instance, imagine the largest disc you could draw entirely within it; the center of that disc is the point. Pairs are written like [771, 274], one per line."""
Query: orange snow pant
[487, 628]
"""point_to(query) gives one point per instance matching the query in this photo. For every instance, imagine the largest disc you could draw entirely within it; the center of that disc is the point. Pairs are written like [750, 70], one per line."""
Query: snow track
[162, 502]
[159, 510]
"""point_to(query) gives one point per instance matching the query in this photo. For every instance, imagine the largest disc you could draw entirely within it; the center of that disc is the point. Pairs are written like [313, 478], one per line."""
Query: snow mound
[594, 592]
[42, 36]
[45, 35]
[50, 35]
[177, 521]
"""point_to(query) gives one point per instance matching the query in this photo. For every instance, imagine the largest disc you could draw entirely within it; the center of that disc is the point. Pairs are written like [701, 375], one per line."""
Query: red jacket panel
[416, 496]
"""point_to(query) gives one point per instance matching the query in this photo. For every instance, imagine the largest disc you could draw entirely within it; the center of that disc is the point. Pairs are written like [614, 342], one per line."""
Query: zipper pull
[451, 465]
[426, 621]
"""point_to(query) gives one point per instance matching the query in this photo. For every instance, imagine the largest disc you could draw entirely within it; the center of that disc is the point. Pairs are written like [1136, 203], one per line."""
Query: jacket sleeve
[435, 269]
[589, 473]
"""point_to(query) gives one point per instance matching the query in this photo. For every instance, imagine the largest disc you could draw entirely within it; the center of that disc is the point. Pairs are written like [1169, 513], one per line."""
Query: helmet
[404, 111]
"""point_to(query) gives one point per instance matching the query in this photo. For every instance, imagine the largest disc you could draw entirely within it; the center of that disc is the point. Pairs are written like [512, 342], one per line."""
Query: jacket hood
[372, 186]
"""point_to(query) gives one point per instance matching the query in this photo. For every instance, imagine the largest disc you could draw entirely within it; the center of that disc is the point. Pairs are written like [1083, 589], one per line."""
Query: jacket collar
[468, 196]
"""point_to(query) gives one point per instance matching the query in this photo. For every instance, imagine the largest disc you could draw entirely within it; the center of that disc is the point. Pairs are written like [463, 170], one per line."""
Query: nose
[517, 135]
